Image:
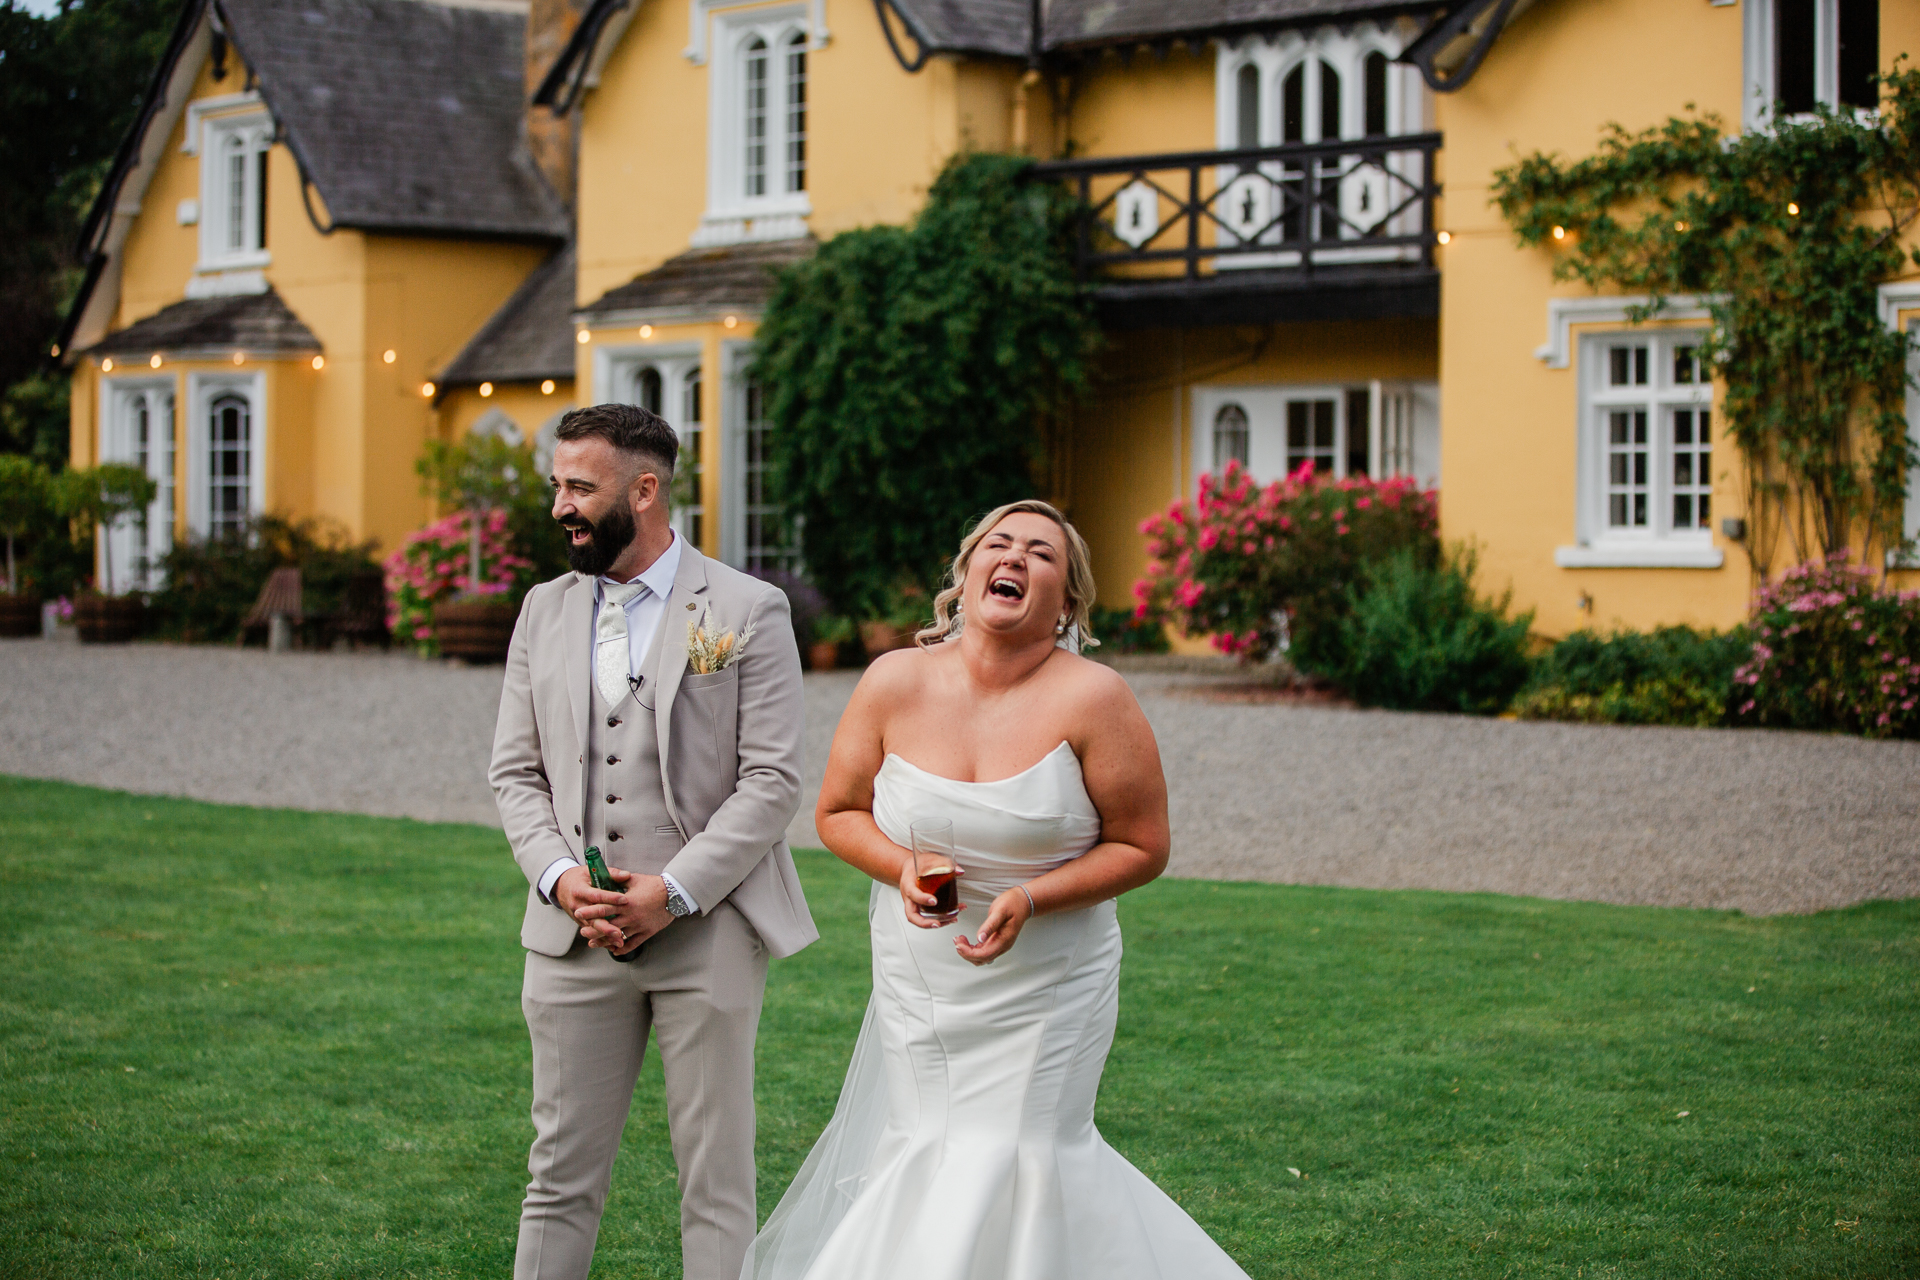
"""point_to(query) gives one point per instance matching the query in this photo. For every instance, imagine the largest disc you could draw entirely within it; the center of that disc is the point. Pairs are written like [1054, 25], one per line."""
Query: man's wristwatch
[677, 905]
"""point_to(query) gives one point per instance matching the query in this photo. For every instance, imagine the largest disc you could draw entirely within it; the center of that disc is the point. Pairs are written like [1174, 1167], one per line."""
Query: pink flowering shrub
[1833, 649]
[1243, 560]
[431, 566]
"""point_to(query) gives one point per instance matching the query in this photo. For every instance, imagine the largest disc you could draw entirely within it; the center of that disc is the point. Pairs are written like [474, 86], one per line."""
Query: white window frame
[616, 380]
[1411, 409]
[1346, 52]
[1659, 545]
[735, 361]
[1760, 67]
[732, 216]
[120, 400]
[1911, 524]
[254, 130]
[202, 390]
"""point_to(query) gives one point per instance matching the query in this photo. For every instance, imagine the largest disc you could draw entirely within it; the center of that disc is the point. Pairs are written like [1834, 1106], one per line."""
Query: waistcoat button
[612, 799]
[613, 759]
[576, 828]
[613, 835]
[613, 722]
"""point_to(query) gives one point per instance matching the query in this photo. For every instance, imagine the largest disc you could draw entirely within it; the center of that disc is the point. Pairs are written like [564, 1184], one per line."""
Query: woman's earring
[1060, 627]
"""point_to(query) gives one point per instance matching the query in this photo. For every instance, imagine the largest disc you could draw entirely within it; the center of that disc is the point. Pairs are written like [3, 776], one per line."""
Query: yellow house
[1297, 260]
[321, 207]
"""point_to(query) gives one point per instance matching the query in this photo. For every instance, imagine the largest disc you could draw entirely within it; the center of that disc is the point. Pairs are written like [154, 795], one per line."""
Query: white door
[139, 429]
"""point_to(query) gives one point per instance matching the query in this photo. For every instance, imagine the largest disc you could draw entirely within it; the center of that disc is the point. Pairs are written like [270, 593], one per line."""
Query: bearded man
[685, 780]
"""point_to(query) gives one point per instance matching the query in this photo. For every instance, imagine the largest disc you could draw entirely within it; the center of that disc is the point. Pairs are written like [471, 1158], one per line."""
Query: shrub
[806, 605]
[1673, 675]
[434, 565]
[1260, 569]
[912, 375]
[1119, 631]
[26, 503]
[212, 583]
[1833, 649]
[1415, 637]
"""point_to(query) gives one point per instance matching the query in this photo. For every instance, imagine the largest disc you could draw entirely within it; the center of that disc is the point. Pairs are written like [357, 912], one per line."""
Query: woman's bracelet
[1032, 910]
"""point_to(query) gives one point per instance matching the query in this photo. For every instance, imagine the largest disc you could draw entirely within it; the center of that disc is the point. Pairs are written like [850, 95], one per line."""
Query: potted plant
[101, 497]
[907, 610]
[830, 632]
[485, 477]
[26, 492]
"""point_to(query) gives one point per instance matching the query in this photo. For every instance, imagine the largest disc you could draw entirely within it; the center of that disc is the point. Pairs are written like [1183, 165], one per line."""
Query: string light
[486, 389]
[1793, 209]
[583, 337]
[319, 363]
[153, 361]
[1679, 226]
[546, 388]
[389, 356]
[1559, 233]
[106, 366]
[426, 389]
[1444, 237]
[646, 331]
[239, 357]
[56, 351]
[731, 321]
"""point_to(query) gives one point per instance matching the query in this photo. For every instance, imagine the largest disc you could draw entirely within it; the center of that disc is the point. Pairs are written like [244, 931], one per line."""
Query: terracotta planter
[883, 637]
[823, 655]
[108, 619]
[474, 630]
[19, 615]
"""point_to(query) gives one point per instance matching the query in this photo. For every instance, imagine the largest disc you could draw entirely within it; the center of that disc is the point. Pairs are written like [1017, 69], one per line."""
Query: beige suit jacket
[730, 747]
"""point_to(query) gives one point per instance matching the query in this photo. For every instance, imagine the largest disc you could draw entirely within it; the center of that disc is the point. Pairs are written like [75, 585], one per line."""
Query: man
[686, 782]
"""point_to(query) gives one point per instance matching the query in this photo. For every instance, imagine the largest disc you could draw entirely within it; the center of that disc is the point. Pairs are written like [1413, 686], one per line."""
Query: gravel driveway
[1759, 821]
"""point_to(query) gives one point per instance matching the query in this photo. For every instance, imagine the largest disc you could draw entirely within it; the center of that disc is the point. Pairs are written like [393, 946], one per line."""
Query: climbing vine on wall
[1786, 231]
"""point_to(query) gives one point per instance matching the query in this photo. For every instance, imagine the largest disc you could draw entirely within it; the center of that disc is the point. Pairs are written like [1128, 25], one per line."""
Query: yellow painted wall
[521, 401]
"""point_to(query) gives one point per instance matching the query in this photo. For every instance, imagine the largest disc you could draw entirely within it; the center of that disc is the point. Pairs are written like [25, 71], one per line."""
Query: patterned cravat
[611, 659]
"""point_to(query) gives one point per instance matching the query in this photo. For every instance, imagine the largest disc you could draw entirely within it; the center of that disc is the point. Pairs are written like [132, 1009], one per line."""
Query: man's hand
[619, 922]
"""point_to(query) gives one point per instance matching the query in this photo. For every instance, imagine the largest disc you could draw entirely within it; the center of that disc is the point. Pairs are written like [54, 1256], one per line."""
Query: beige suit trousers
[698, 986]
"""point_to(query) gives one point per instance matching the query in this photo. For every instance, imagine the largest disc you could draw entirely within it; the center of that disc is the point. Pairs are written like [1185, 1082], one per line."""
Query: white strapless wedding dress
[963, 1145]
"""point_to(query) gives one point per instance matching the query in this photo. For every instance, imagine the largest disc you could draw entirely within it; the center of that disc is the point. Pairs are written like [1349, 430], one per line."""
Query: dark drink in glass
[935, 869]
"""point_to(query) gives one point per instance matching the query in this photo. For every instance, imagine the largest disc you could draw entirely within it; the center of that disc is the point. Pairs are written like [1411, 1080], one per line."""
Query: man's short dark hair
[628, 428]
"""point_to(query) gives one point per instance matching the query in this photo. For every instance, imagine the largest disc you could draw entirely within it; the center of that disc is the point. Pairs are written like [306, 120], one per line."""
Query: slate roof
[529, 338]
[736, 275]
[405, 115]
[1001, 27]
[258, 322]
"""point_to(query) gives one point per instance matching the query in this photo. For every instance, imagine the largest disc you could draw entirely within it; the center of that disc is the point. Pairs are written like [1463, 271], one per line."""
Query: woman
[963, 1146]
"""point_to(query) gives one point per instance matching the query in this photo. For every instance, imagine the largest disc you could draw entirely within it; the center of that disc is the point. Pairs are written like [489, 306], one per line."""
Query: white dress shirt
[644, 613]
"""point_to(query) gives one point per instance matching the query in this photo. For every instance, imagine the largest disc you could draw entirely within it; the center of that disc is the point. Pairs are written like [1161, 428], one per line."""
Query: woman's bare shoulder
[896, 674]
[1093, 687]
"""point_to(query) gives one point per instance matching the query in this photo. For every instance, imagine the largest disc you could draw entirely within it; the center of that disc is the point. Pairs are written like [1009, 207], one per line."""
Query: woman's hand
[917, 900]
[1005, 918]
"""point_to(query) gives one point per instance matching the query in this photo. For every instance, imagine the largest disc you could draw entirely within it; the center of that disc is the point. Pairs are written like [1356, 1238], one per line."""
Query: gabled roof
[253, 322]
[704, 280]
[529, 338]
[1005, 28]
[405, 114]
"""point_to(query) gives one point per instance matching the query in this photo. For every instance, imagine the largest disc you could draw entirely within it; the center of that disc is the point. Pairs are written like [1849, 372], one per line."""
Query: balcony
[1338, 230]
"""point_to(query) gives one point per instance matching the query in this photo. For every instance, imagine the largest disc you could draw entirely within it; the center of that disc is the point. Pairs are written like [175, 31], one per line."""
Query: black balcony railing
[1314, 212]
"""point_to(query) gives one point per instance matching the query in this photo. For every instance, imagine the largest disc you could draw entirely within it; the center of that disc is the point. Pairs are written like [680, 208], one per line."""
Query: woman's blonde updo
[946, 608]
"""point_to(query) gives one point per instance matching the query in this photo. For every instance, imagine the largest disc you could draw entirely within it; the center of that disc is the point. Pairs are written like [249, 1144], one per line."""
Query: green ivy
[1787, 230]
[913, 374]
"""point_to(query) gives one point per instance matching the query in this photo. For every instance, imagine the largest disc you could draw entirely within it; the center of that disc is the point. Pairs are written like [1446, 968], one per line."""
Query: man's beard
[606, 539]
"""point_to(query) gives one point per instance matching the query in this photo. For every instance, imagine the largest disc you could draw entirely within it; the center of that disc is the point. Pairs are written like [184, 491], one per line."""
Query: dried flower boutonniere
[707, 652]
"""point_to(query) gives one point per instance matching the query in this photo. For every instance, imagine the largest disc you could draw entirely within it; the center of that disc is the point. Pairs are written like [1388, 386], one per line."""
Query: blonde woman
[963, 1146]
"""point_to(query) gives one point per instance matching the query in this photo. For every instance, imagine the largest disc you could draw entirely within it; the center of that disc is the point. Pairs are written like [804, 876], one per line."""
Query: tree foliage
[912, 374]
[70, 87]
[1787, 230]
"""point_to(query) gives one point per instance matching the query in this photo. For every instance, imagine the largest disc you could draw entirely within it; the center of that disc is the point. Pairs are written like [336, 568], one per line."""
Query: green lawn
[240, 1043]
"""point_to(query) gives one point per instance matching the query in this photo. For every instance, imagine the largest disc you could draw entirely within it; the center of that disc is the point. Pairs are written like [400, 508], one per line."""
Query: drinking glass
[935, 867]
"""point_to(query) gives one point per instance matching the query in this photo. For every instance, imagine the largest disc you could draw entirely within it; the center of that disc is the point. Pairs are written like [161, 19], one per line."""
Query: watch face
[677, 905]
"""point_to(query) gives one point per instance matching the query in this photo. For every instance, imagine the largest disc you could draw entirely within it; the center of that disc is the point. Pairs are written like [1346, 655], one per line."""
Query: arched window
[1247, 106]
[796, 166]
[1329, 103]
[1229, 437]
[1376, 88]
[229, 463]
[1293, 105]
[646, 389]
[754, 167]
